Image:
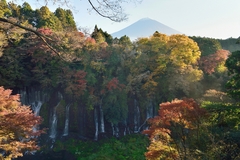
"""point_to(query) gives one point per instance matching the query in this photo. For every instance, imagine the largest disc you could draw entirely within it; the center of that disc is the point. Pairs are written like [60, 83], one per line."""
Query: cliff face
[64, 118]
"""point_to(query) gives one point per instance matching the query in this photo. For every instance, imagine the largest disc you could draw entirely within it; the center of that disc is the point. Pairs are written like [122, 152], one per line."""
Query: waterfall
[23, 97]
[150, 108]
[36, 106]
[34, 98]
[149, 114]
[96, 123]
[115, 130]
[53, 125]
[53, 130]
[126, 129]
[136, 116]
[102, 127]
[65, 132]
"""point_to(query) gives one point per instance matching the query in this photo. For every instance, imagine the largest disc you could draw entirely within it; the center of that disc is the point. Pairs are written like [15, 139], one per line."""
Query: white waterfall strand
[65, 131]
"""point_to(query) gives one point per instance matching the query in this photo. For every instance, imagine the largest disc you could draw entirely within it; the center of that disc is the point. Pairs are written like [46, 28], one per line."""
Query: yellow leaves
[190, 74]
[99, 66]
[221, 68]
[161, 146]
[183, 50]
[150, 86]
[155, 43]
[177, 50]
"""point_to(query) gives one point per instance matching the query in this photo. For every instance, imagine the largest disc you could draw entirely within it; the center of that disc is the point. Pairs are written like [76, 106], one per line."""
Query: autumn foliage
[16, 126]
[114, 84]
[74, 82]
[168, 131]
[209, 63]
[45, 31]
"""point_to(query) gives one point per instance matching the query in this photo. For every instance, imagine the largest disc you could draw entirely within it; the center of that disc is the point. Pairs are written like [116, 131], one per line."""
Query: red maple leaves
[114, 84]
[74, 81]
[209, 63]
[45, 31]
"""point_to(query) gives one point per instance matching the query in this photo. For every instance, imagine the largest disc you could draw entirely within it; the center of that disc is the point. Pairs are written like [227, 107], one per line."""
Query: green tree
[26, 11]
[66, 18]
[4, 9]
[125, 41]
[233, 65]
[223, 124]
[46, 19]
[207, 45]
[15, 10]
[98, 35]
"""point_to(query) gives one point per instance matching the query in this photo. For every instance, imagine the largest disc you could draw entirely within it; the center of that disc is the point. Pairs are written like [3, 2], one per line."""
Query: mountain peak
[144, 27]
[145, 19]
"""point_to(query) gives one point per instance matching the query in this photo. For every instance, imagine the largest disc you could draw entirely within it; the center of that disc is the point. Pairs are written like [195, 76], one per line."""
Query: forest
[65, 94]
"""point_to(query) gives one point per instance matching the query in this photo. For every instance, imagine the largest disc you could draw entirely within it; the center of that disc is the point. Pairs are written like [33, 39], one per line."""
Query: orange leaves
[79, 80]
[166, 128]
[75, 82]
[114, 84]
[90, 40]
[185, 112]
[16, 125]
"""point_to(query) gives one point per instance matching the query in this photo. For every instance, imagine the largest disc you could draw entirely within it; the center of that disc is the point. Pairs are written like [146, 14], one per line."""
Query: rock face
[64, 118]
[144, 28]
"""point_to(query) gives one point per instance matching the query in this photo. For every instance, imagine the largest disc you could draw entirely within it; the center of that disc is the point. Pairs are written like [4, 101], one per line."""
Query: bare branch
[42, 36]
[110, 9]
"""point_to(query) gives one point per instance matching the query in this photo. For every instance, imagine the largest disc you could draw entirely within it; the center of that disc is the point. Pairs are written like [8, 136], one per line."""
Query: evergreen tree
[207, 45]
[125, 40]
[66, 18]
[15, 10]
[46, 19]
[26, 11]
[233, 65]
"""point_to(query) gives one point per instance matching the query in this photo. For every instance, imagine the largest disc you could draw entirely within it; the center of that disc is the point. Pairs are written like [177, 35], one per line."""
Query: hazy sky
[209, 18]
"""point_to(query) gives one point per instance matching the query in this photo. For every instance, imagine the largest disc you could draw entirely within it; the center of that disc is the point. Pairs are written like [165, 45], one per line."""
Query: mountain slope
[144, 28]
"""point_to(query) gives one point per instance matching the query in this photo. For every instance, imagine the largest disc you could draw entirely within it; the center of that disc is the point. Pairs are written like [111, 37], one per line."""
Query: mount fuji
[144, 28]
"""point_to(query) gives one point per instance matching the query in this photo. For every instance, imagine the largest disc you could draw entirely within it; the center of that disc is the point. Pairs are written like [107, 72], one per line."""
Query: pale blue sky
[209, 18]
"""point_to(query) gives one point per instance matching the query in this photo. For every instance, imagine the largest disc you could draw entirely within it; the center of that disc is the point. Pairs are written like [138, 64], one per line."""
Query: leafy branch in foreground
[17, 134]
[40, 35]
